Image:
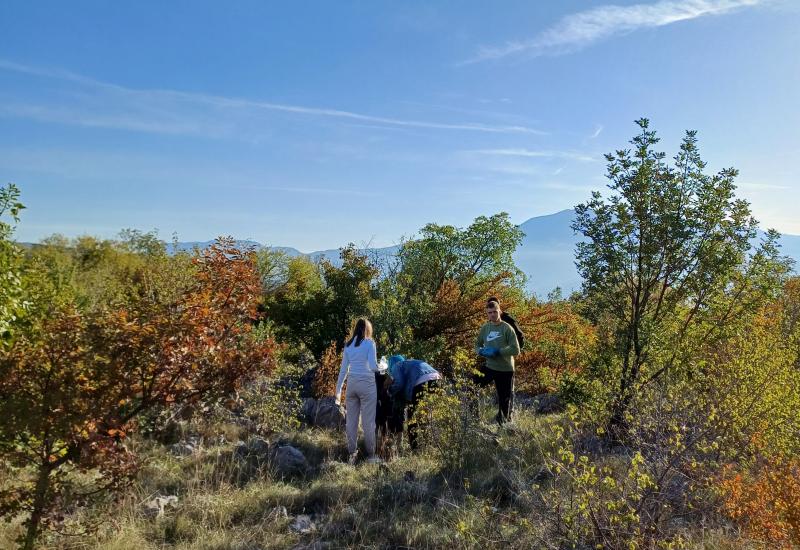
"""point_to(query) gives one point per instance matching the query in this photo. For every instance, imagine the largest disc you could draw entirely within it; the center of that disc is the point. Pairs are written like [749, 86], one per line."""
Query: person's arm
[512, 346]
[372, 357]
[343, 370]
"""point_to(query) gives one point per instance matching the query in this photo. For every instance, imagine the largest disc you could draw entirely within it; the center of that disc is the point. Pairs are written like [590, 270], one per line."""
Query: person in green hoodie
[497, 343]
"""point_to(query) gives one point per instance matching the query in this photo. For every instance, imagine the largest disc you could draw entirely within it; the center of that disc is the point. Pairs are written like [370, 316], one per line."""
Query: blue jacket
[405, 373]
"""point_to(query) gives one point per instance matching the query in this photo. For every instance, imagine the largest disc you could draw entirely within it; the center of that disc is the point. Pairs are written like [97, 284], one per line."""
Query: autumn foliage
[766, 503]
[560, 344]
[326, 374]
[73, 386]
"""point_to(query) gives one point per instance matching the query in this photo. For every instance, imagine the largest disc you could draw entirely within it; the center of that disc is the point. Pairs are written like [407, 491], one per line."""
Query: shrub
[73, 384]
[561, 345]
[327, 373]
[766, 502]
[273, 402]
[594, 500]
[452, 421]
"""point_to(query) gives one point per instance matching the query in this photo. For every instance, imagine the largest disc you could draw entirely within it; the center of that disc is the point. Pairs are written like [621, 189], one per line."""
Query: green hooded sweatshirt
[502, 337]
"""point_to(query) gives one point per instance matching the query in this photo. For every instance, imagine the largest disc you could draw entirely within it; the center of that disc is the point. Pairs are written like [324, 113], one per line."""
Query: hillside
[131, 365]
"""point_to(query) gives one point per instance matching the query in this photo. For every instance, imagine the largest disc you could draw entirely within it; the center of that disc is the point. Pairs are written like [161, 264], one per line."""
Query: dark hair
[359, 332]
[492, 300]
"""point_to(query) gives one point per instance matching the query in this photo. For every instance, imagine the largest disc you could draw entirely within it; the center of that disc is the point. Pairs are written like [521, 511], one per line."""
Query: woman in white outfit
[359, 365]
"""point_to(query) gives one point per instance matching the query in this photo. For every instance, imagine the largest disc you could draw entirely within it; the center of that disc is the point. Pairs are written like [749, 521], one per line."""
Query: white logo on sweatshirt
[494, 335]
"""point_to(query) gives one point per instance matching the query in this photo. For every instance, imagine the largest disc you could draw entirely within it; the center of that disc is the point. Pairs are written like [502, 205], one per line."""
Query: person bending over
[411, 380]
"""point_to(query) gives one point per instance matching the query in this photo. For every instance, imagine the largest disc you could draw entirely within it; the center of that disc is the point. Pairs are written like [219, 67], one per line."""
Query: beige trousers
[362, 398]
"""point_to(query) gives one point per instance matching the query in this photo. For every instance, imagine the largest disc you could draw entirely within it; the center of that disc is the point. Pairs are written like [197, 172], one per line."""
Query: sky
[314, 124]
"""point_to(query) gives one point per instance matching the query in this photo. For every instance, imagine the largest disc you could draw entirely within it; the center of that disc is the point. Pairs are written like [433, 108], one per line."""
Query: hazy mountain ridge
[546, 255]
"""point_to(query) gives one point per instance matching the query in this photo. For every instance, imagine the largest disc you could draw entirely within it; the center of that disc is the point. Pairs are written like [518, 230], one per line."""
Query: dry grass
[407, 503]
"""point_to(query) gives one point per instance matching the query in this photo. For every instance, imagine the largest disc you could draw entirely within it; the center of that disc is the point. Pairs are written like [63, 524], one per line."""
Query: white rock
[302, 524]
[155, 507]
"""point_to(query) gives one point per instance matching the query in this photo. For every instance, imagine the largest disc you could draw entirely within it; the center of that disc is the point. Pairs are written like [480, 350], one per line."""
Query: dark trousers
[416, 396]
[504, 384]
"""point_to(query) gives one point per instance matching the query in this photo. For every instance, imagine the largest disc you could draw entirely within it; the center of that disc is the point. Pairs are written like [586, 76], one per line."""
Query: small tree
[766, 503]
[350, 294]
[11, 300]
[295, 303]
[317, 303]
[73, 385]
[666, 243]
[442, 279]
[273, 266]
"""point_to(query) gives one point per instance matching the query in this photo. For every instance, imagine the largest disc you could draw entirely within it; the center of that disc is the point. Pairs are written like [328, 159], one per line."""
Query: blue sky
[314, 124]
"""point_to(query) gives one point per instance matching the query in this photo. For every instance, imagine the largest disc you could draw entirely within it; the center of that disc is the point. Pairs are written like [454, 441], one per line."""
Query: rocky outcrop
[286, 460]
[323, 413]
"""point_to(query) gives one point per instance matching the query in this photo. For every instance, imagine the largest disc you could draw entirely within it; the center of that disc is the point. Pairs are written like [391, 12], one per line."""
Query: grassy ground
[410, 502]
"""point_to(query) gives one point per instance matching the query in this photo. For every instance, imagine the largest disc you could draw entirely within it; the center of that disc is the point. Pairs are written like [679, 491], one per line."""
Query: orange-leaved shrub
[324, 382]
[765, 502]
[559, 343]
[74, 383]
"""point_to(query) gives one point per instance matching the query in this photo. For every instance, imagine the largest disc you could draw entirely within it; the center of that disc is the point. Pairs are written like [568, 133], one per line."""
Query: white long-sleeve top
[357, 362]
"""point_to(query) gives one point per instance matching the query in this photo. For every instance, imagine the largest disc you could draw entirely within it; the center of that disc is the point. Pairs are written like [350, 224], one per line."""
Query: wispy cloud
[157, 171]
[334, 191]
[104, 104]
[496, 114]
[596, 131]
[579, 30]
[533, 153]
[119, 120]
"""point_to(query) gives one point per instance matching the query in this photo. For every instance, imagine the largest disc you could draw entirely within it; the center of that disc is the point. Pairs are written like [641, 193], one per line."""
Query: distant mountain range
[331, 255]
[546, 255]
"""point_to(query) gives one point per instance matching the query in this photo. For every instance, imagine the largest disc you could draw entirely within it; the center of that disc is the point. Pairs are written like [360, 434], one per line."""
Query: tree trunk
[617, 425]
[619, 402]
[39, 502]
[631, 367]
